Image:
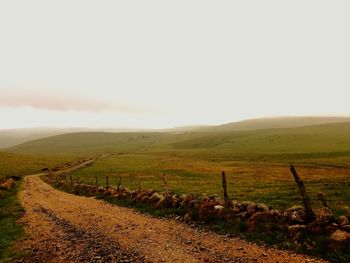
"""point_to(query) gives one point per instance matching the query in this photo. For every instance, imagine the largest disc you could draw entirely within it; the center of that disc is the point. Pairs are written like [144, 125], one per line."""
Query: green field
[14, 164]
[266, 182]
[256, 161]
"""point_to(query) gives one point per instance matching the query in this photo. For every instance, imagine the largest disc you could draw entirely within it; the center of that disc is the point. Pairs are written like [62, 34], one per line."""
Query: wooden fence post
[304, 196]
[224, 186]
[165, 182]
[107, 182]
[321, 197]
[119, 182]
[139, 183]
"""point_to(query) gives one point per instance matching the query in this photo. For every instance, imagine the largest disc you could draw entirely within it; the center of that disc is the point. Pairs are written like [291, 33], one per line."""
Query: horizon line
[340, 116]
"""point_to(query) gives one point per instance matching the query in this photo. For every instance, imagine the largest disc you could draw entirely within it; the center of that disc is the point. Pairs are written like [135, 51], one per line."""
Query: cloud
[59, 102]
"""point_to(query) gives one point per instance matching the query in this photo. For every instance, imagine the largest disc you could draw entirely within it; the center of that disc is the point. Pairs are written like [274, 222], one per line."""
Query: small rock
[243, 215]
[340, 236]
[314, 227]
[295, 208]
[188, 242]
[295, 229]
[323, 216]
[213, 197]
[262, 207]
[346, 228]
[251, 208]
[329, 229]
[162, 203]
[275, 213]
[187, 217]
[257, 218]
[219, 207]
[295, 214]
[155, 197]
[343, 220]
[9, 183]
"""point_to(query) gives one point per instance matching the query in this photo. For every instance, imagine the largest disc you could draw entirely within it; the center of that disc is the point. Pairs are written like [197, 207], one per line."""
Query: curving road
[62, 227]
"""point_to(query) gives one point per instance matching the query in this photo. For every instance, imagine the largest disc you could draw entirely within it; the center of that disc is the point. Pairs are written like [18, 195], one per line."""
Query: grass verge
[10, 230]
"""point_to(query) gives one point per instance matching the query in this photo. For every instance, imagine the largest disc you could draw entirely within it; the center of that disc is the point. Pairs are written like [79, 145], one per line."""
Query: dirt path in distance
[66, 228]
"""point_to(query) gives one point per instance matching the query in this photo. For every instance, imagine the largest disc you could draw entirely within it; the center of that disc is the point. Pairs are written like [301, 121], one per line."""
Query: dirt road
[68, 228]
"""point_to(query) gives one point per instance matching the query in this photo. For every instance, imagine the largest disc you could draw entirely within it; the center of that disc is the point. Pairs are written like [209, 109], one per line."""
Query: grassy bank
[10, 230]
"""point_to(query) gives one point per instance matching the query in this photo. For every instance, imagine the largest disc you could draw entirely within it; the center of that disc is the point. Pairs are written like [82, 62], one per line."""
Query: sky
[160, 64]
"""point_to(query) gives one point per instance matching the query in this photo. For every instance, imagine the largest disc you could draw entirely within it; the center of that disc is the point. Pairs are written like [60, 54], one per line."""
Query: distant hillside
[278, 122]
[9, 138]
[318, 139]
[186, 128]
[13, 137]
[90, 142]
[322, 138]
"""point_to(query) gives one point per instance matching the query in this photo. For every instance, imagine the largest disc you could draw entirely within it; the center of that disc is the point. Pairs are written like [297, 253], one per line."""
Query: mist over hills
[277, 123]
[322, 138]
[13, 137]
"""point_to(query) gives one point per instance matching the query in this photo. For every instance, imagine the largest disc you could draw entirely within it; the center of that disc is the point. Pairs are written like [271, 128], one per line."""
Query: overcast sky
[153, 64]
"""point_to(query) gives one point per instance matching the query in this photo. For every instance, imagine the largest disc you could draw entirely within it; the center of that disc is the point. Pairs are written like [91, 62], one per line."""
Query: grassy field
[256, 161]
[267, 182]
[14, 164]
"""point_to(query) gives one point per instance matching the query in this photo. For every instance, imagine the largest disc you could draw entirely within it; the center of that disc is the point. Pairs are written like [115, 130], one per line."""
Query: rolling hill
[324, 139]
[333, 137]
[13, 137]
[90, 142]
[276, 122]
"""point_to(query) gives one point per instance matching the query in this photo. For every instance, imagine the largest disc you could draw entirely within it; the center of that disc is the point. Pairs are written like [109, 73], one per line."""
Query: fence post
[304, 196]
[107, 182]
[139, 183]
[165, 182]
[321, 197]
[224, 186]
[119, 182]
[96, 180]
